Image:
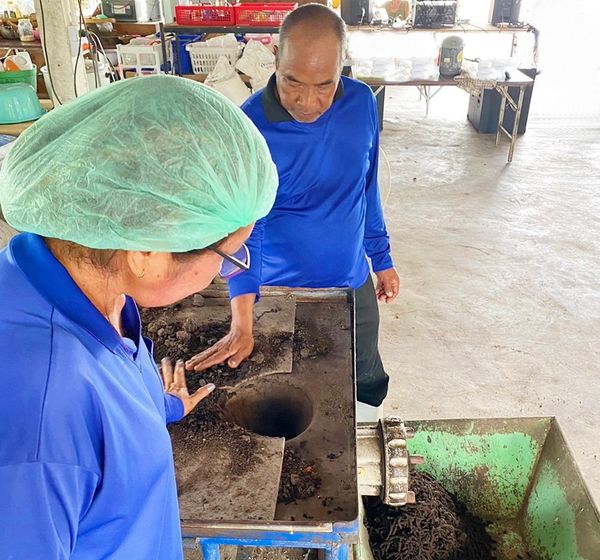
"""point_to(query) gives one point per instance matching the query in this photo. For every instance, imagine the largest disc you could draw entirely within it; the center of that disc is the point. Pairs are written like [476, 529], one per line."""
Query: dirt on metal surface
[435, 528]
[310, 342]
[223, 471]
[226, 473]
[299, 478]
[179, 337]
[229, 461]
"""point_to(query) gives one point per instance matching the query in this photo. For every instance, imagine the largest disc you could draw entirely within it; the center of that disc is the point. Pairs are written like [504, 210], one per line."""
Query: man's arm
[377, 241]
[244, 289]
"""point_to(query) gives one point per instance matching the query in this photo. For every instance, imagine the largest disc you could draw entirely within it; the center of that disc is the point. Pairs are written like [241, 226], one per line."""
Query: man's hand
[234, 347]
[388, 285]
[175, 384]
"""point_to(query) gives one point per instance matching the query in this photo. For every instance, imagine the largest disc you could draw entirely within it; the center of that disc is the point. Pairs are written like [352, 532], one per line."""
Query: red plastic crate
[205, 14]
[262, 15]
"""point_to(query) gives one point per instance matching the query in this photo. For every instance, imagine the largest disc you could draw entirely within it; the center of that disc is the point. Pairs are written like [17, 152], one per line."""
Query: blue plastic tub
[181, 58]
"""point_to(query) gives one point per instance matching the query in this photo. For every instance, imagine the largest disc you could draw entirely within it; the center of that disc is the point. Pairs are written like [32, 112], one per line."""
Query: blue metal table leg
[210, 550]
[338, 552]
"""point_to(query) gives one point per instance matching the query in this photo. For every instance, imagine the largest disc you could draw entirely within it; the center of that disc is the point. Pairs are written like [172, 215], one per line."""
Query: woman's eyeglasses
[233, 264]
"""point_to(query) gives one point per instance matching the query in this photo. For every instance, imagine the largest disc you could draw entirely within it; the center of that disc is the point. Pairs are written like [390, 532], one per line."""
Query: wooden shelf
[16, 44]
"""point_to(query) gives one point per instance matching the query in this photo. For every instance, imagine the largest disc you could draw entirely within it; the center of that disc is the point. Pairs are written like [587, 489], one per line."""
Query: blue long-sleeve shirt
[86, 465]
[327, 217]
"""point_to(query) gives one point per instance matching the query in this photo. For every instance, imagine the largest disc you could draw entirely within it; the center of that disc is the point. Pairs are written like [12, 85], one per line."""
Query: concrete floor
[499, 312]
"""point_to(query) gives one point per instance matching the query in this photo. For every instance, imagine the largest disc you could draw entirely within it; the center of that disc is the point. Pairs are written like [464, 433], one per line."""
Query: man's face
[308, 73]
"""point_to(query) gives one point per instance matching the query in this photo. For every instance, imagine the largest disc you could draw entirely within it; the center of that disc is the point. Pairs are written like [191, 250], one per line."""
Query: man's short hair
[318, 15]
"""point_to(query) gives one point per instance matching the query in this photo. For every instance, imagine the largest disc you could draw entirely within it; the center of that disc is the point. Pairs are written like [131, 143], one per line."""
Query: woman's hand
[175, 384]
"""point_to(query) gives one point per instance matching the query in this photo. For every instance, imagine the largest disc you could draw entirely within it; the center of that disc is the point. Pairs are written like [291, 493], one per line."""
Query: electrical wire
[54, 94]
[94, 52]
[81, 24]
[479, 27]
[113, 71]
[85, 32]
[91, 46]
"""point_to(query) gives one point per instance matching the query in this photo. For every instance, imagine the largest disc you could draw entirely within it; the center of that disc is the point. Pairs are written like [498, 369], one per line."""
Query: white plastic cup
[44, 71]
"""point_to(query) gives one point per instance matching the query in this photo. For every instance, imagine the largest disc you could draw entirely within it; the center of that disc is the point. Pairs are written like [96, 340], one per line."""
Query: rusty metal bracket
[384, 461]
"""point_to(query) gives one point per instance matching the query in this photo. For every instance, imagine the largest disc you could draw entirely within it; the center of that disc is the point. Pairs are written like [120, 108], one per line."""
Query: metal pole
[338, 552]
[515, 131]
[210, 550]
[176, 68]
[514, 45]
[163, 46]
[503, 92]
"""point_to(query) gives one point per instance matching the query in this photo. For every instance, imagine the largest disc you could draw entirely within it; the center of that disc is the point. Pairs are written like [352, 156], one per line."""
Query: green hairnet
[156, 163]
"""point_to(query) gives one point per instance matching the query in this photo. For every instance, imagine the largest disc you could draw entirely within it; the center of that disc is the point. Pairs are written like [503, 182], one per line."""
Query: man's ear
[276, 52]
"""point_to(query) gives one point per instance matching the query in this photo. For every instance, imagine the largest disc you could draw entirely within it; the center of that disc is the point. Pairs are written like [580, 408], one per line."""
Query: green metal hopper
[520, 475]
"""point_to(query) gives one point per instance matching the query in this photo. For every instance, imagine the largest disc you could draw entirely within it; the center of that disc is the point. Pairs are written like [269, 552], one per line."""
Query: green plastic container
[20, 77]
[19, 103]
[520, 475]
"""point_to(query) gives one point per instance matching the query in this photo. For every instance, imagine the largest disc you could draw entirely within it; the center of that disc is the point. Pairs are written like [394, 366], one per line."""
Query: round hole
[270, 408]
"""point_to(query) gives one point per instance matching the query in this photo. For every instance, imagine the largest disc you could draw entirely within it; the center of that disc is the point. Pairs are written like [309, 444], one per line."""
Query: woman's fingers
[179, 374]
[200, 394]
[166, 371]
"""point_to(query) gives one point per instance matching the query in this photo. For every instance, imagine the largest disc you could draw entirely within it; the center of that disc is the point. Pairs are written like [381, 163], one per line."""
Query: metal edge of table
[521, 81]
[466, 28]
[16, 44]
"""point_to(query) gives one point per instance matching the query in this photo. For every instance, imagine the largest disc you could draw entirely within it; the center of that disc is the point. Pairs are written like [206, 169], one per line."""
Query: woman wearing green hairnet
[139, 192]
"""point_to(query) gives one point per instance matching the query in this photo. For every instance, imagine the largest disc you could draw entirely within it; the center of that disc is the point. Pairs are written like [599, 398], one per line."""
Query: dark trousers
[371, 379]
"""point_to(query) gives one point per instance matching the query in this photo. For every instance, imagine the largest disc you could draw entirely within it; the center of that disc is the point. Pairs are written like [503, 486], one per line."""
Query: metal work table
[457, 28]
[221, 505]
[517, 79]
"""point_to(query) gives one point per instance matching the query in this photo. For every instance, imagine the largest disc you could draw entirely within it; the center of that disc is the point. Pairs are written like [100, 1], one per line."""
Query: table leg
[515, 131]
[424, 94]
[176, 68]
[501, 115]
[163, 46]
[210, 550]
[380, 98]
[338, 552]
[514, 44]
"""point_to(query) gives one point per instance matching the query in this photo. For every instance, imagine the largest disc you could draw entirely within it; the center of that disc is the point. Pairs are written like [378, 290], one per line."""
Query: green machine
[518, 474]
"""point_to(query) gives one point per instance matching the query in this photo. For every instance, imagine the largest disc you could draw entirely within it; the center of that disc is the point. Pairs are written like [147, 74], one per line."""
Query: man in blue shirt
[322, 131]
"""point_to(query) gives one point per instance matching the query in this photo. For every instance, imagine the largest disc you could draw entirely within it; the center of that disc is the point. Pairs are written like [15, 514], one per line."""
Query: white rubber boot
[366, 414]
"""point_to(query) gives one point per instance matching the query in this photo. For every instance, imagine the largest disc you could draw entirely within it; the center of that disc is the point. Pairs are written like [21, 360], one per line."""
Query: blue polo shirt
[327, 217]
[86, 465]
